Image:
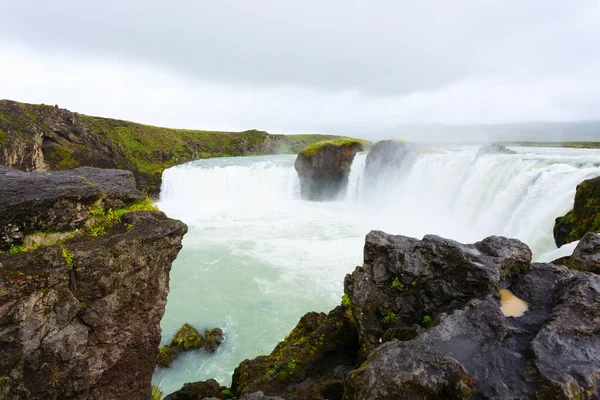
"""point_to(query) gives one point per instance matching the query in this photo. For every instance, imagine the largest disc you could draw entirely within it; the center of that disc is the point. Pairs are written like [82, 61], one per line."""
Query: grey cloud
[381, 48]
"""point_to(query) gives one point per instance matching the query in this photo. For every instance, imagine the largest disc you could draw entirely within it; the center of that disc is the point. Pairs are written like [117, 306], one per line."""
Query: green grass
[576, 145]
[314, 148]
[346, 300]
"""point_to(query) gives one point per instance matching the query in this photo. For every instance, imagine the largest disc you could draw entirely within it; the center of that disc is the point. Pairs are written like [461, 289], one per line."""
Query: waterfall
[257, 257]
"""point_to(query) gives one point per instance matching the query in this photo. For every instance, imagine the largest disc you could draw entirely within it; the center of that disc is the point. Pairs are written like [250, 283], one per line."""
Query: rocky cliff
[323, 168]
[41, 138]
[584, 217]
[84, 275]
[424, 319]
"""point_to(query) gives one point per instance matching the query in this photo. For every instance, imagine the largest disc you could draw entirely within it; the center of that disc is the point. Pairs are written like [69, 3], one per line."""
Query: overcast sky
[354, 67]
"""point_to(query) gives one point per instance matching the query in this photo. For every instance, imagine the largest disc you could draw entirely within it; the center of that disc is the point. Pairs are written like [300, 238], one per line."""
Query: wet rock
[310, 363]
[494, 148]
[406, 283]
[57, 201]
[212, 340]
[586, 256]
[396, 371]
[323, 168]
[166, 356]
[584, 217]
[187, 338]
[209, 389]
[81, 319]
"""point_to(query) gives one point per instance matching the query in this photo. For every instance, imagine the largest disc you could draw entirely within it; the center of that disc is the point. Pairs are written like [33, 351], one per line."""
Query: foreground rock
[494, 148]
[323, 168]
[80, 319]
[40, 138]
[584, 217]
[422, 318]
[209, 389]
[188, 338]
[59, 201]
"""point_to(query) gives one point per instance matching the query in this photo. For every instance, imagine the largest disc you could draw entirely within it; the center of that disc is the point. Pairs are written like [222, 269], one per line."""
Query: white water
[256, 257]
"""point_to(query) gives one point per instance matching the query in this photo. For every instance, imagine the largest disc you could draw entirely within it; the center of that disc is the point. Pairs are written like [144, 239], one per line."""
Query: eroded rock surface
[80, 319]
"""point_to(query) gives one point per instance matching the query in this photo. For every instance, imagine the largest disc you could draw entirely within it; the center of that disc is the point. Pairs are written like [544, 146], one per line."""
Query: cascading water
[257, 257]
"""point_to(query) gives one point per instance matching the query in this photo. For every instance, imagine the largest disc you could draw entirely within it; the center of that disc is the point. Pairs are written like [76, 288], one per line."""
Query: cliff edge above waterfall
[84, 277]
[46, 138]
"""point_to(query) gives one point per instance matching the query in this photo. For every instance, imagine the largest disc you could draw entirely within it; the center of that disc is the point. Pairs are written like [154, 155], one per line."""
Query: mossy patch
[313, 149]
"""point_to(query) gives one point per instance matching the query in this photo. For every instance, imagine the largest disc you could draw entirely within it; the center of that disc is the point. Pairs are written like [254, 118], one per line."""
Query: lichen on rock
[80, 316]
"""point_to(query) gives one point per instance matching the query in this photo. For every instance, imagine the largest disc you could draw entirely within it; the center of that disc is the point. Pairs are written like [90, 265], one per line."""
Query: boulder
[494, 148]
[81, 318]
[586, 256]
[58, 201]
[323, 168]
[584, 217]
[405, 283]
[188, 338]
[310, 363]
[212, 340]
[209, 389]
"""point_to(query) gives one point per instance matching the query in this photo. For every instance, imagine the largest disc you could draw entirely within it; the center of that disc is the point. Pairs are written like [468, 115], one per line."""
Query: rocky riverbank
[84, 276]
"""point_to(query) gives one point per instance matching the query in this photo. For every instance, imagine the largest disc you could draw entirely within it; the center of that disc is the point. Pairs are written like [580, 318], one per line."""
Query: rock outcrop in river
[42, 138]
[423, 319]
[323, 168]
[389, 157]
[84, 276]
[584, 217]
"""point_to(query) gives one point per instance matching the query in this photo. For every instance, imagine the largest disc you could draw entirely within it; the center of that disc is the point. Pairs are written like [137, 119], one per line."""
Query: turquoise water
[257, 258]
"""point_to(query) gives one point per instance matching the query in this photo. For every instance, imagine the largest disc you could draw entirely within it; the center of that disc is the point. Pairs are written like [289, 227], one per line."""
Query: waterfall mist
[257, 257]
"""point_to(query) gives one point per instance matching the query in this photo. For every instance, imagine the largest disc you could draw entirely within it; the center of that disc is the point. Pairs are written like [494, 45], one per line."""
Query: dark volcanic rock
[423, 319]
[57, 201]
[323, 169]
[494, 149]
[310, 363]
[212, 340]
[81, 319]
[188, 338]
[209, 389]
[586, 256]
[405, 280]
[584, 217]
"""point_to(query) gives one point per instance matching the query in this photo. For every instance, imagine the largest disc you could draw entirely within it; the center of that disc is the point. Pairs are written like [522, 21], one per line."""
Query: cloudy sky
[345, 66]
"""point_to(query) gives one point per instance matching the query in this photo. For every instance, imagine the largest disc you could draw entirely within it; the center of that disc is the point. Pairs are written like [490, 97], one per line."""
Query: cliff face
[40, 138]
[584, 217]
[83, 285]
[323, 168]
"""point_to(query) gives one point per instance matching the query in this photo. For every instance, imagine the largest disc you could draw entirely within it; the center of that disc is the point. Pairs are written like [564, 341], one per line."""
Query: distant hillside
[40, 138]
[586, 131]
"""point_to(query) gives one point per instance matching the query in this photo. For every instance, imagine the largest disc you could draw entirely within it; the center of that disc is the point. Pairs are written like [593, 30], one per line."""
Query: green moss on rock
[187, 338]
[584, 217]
[313, 149]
